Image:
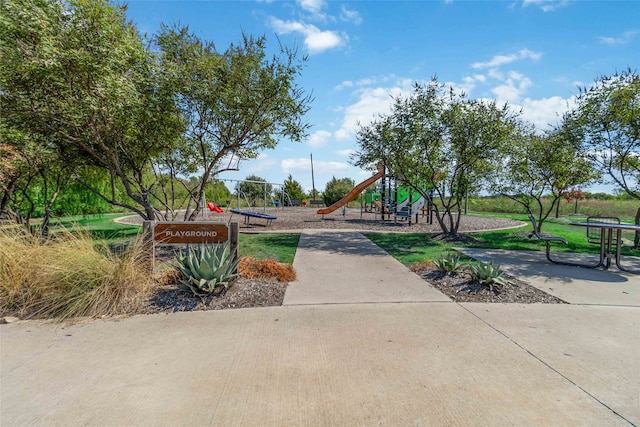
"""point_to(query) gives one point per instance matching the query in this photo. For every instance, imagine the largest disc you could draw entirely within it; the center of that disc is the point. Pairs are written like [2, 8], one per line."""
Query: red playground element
[214, 208]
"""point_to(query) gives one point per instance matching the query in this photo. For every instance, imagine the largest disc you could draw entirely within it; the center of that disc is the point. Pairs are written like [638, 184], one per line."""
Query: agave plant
[207, 269]
[448, 263]
[489, 275]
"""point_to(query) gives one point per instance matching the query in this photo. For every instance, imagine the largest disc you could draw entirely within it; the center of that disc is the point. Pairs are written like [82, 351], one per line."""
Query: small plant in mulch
[485, 273]
[489, 275]
[252, 268]
[449, 263]
[207, 269]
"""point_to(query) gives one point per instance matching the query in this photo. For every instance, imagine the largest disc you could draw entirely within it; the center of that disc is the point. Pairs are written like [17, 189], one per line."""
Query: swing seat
[213, 208]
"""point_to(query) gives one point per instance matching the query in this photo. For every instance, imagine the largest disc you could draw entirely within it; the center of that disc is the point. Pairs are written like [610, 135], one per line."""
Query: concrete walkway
[345, 360]
[344, 267]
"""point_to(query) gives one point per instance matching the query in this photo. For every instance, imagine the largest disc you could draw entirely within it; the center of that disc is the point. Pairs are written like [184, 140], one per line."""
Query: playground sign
[190, 232]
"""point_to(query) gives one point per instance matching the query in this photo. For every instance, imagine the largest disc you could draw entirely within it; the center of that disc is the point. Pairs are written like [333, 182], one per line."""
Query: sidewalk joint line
[547, 365]
[364, 303]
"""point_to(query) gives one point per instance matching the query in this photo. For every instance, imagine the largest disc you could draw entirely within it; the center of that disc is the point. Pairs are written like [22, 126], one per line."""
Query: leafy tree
[438, 140]
[310, 194]
[607, 121]
[77, 199]
[218, 192]
[11, 165]
[34, 177]
[293, 189]
[235, 103]
[538, 167]
[254, 189]
[336, 189]
[77, 74]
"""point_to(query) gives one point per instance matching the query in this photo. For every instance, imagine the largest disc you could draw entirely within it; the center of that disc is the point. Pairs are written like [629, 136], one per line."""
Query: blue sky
[532, 53]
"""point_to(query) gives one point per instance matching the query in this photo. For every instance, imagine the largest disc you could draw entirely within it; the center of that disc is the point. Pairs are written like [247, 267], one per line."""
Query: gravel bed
[461, 287]
[296, 219]
[244, 293]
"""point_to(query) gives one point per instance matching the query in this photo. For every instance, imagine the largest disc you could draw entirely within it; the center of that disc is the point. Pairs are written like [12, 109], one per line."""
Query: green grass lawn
[281, 247]
[101, 227]
[412, 248]
[407, 248]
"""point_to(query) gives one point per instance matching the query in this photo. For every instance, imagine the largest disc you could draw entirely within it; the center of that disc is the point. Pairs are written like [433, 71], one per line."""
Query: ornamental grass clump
[70, 275]
[207, 269]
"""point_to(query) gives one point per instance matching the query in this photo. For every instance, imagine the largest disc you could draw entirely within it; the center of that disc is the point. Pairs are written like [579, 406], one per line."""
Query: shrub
[70, 275]
[251, 268]
[207, 269]
[336, 189]
[489, 275]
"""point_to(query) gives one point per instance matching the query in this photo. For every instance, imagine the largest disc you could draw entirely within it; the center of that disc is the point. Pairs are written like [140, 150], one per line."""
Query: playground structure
[247, 210]
[247, 213]
[213, 208]
[388, 200]
[354, 192]
[253, 214]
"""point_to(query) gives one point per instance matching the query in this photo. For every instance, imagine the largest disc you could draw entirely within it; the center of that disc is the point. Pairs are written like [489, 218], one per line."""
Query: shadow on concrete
[529, 263]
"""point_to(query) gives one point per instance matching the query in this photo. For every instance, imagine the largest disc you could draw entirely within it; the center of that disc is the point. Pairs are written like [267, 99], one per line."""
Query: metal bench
[548, 239]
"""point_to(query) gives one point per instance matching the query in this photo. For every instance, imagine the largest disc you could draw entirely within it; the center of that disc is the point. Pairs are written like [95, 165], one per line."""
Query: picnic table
[610, 241]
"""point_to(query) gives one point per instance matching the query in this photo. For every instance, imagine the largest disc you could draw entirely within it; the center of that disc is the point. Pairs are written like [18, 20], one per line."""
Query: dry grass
[269, 268]
[69, 275]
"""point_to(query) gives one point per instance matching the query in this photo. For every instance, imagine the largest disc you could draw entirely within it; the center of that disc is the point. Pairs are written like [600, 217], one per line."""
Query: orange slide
[353, 193]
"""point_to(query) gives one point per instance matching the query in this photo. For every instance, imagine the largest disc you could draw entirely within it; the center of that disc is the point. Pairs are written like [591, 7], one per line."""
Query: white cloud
[494, 73]
[369, 81]
[480, 78]
[506, 93]
[513, 88]
[466, 86]
[546, 5]
[499, 60]
[345, 153]
[296, 165]
[319, 138]
[345, 84]
[262, 163]
[312, 6]
[350, 15]
[624, 39]
[315, 39]
[546, 112]
[300, 165]
[371, 102]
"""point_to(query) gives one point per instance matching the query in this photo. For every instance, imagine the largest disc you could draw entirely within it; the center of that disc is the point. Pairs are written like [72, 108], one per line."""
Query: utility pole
[313, 183]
